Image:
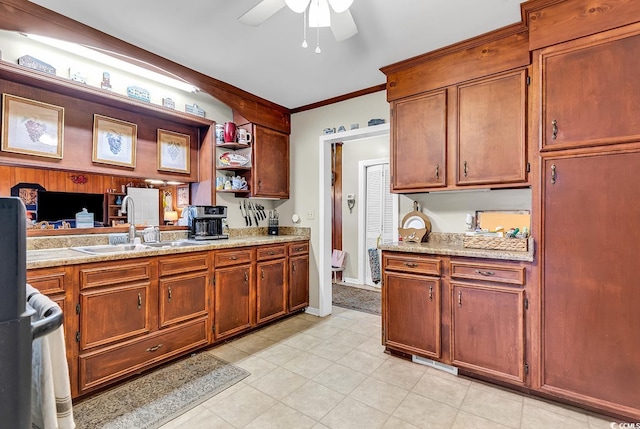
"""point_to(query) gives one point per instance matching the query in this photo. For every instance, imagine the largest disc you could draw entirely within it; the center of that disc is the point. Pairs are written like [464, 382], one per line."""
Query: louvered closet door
[379, 219]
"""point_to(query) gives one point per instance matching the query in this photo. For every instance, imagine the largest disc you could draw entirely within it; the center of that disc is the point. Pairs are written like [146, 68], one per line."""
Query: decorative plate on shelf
[233, 159]
[416, 226]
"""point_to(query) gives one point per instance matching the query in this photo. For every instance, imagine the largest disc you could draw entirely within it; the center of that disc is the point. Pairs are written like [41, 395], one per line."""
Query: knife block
[274, 230]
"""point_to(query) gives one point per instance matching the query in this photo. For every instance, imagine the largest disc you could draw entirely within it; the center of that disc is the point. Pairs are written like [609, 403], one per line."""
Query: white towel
[50, 388]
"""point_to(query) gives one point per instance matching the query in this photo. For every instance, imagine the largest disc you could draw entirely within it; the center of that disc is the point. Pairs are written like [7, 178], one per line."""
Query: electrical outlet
[311, 215]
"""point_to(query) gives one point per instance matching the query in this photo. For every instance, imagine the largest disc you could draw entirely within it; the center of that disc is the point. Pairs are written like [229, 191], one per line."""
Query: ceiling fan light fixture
[340, 6]
[298, 6]
[319, 14]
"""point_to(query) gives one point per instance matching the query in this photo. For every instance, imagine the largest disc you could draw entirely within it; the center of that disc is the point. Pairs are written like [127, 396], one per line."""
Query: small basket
[496, 243]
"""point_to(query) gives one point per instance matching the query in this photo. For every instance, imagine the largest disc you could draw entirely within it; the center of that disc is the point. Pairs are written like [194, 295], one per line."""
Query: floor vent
[435, 364]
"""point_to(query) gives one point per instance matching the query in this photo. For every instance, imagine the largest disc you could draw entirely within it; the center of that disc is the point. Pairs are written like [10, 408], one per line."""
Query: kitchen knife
[246, 209]
[243, 212]
[255, 216]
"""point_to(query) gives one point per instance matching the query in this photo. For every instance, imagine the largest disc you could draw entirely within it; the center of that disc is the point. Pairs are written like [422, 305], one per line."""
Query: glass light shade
[319, 14]
[340, 6]
[171, 216]
[298, 6]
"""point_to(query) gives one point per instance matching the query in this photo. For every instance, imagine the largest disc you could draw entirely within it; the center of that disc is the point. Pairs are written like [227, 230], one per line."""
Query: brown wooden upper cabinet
[270, 163]
[418, 145]
[477, 128]
[491, 124]
[590, 95]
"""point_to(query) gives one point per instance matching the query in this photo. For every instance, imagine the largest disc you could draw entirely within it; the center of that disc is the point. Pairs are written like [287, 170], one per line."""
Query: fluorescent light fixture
[171, 182]
[110, 61]
[154, 181]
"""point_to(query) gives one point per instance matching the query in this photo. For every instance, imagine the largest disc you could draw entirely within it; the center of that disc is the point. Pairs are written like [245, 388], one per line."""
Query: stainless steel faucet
[129, 207]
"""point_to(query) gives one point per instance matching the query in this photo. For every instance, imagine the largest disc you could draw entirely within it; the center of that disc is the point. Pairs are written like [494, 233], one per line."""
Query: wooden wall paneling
[555, 21]
[78, 137]
[497, 51]
[5, 180]
[27, 17]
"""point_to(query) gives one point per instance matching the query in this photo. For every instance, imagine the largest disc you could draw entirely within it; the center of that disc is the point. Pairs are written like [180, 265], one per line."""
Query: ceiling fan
[338, 16]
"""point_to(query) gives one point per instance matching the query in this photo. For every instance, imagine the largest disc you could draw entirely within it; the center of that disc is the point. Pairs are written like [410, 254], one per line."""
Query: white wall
[352, 153]
[306, 127]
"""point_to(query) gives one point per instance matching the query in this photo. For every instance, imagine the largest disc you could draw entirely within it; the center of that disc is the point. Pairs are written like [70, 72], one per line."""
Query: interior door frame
[324, 204]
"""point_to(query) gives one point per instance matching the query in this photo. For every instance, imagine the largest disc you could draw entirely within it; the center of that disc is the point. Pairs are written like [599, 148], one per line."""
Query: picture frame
[174, 150]
[32, 127]
[114, 141]
[182, 196]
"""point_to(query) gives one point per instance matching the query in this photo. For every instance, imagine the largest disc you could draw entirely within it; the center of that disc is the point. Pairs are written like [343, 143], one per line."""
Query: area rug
[154, 399]
[354, 298]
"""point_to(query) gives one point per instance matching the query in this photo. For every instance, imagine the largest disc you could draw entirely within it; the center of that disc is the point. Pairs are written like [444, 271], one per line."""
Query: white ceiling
[268, 60]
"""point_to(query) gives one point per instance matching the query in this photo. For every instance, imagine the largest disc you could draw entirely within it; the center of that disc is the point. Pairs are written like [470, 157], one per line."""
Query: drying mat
[355, 298]
[152, 400]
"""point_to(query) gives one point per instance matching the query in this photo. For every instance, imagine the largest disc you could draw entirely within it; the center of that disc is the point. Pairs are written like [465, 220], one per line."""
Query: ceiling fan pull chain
[304, 30]
[318, 40]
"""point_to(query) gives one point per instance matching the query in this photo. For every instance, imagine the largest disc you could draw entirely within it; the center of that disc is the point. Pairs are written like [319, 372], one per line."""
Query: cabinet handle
[430, 293]
[485, 273]
[293, 267]
[259, 184]
[154, 348]
[262, 273]
[299, 249]
[553, 174]
[169, 293]
[246, 278]
[411, 264]
[233, 258]
[139, 301]
[460, 298]
[272, 253]
[465, 169]
[554, 129]
[437, 171]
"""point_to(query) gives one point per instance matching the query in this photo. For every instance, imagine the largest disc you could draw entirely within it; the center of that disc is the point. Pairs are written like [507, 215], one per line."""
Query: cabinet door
[113, 314]
[271, 289]
[270, 163]
[590, 287]
[232, 307]
[183, 298]
[298, 282]
[418, 143]
[488, 330]
[492, 129]
[590, 93]
[411, 309]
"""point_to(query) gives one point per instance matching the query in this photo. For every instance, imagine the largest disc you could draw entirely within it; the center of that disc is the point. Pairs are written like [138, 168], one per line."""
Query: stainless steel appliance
[206, 222]
[16, 328]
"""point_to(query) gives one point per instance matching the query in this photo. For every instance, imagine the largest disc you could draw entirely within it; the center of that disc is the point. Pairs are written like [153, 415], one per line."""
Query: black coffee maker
[206, 222]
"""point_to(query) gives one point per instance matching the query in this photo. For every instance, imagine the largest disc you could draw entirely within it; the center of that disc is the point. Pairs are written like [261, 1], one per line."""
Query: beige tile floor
[310, 372]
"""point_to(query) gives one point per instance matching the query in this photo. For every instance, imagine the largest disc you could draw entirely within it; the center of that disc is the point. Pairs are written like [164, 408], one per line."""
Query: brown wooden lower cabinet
[487, 327]
[298, 276]
[232, 300]
[271, 283]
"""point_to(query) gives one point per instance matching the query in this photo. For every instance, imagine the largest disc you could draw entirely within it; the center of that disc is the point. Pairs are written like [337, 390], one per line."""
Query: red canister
[229, 132]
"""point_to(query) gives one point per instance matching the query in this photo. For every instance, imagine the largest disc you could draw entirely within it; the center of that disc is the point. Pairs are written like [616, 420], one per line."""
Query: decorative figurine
[138, 93]
[168, 103]
[194, 110]
[106, 81]
[77, 75]
[36, 64]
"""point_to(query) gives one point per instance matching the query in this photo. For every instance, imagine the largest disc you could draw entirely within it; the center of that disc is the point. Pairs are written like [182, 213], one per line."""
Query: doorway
[325, 206]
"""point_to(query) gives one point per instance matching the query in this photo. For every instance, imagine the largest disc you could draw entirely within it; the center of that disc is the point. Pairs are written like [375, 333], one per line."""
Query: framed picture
[114, 141]
[173, 152]
[32, 128]
[182, 196]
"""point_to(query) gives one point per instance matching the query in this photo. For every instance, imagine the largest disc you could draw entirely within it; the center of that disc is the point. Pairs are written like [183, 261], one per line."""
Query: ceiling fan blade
[342, 25]
[261, 12]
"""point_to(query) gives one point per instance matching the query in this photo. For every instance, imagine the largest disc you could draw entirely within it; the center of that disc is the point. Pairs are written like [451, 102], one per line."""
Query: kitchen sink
[177, 243]
[108, 248]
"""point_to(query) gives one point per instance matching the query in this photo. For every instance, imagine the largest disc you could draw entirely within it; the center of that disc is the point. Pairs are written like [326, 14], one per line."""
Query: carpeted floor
[355, 298]
[152, 400]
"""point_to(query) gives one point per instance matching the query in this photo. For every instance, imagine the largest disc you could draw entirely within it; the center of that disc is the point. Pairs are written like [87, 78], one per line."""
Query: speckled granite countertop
[41, 255]
[451, 245]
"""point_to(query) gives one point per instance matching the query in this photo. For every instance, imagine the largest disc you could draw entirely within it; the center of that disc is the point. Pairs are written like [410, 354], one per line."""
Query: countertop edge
[58, 257]
[449, 250]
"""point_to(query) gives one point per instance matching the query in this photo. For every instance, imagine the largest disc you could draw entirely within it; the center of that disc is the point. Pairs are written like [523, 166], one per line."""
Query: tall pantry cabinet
[589, 100]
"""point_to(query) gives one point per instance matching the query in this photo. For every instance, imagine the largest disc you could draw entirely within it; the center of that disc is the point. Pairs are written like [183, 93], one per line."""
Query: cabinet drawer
[48, 281]
[412, 264]
[107, 275]
[183, 264]
[232, 257]
[298, 248]
[498, 273]
[130, 357]
[271, 252]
